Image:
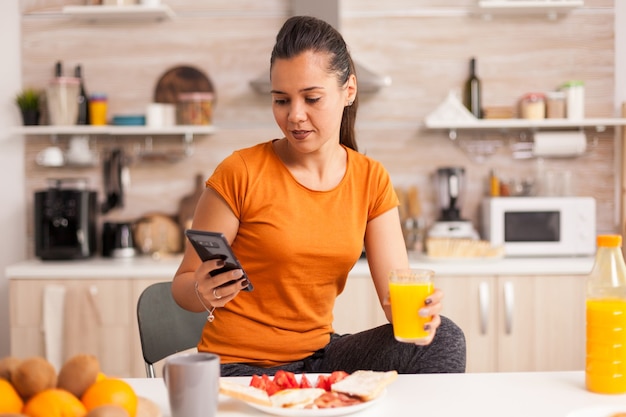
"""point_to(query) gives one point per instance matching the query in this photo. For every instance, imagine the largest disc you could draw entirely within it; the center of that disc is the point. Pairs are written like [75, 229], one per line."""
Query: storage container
[194, 109]
[533, 106]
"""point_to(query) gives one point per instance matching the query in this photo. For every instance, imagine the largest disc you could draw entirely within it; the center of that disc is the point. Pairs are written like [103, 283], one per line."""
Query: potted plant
[29, 101]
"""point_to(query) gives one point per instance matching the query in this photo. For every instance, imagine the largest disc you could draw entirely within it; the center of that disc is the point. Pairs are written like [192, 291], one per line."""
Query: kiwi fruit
[7, 367]
[108, 410]
[78, 373]
[32, 376]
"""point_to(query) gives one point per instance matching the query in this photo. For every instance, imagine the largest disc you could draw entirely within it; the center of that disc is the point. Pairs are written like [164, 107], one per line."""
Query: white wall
[12, 186]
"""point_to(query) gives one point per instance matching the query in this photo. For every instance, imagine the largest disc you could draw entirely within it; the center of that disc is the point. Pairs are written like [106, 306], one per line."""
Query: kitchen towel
[82, 321]
[52, 320]
[559, 144]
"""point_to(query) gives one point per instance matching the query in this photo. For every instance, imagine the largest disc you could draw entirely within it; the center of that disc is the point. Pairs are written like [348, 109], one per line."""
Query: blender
[450, 183]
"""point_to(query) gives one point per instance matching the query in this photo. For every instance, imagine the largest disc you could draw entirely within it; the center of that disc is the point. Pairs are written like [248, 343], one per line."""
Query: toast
[296, 397]
[365, 385]
[244, 392]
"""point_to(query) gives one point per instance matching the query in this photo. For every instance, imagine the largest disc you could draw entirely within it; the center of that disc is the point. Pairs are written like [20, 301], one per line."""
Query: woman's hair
[305, 33]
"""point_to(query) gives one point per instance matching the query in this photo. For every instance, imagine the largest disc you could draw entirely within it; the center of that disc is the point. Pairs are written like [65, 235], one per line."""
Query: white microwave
[541, 226]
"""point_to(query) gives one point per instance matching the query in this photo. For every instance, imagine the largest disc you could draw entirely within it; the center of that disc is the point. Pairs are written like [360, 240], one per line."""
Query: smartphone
[213, 245]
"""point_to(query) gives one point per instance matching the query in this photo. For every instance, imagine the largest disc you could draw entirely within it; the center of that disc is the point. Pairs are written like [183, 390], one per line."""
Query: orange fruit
[10, 400]
[111, 391]
[54, 402]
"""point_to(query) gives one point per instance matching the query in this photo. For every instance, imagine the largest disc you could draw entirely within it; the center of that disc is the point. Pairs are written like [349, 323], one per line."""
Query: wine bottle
[83, 101]
[58, 69]
[472, 93]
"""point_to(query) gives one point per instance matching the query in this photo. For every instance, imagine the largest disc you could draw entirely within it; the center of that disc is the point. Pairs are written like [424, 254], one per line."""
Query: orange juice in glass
[408, 288]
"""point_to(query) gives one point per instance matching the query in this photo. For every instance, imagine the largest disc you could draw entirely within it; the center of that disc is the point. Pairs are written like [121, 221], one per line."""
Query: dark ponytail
[306, 33]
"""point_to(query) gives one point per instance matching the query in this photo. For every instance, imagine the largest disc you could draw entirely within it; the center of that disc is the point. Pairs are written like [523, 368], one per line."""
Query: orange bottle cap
[609, 240]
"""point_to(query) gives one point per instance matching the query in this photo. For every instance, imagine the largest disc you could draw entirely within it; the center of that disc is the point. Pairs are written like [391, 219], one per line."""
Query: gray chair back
[165, 328]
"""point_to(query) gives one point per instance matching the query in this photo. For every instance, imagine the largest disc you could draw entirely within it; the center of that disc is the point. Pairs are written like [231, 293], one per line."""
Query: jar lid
[611, 241]
[65, 80]
[556, 94]
[195, 96]
[533, 97]
[573, 83]
[98, 97]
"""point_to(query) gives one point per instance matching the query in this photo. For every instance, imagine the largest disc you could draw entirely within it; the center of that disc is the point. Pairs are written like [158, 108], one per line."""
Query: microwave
[540, 226]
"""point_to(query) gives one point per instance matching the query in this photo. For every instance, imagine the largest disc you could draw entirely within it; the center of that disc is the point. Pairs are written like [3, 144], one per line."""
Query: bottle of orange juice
[605, 368]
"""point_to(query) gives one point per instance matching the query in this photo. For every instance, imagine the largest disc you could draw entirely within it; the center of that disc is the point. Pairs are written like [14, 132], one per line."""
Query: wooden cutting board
[187, 204]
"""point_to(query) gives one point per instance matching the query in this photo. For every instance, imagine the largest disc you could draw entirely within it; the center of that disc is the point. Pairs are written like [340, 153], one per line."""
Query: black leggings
[377, 350]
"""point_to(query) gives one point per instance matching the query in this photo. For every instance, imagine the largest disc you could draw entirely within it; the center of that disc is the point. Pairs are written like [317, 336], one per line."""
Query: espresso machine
[65, 220]
[450, 182]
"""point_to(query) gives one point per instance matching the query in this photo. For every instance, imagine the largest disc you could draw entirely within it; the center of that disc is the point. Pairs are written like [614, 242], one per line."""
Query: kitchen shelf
[600, 124]
[550, 7]
[129, 12]
[188, 131]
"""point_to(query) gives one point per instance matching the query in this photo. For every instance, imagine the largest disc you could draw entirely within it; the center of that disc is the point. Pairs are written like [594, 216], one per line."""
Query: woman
[297, 212]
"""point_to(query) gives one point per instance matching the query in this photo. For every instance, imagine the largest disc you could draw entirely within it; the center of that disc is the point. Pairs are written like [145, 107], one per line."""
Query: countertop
[537, 394]
[164, 268]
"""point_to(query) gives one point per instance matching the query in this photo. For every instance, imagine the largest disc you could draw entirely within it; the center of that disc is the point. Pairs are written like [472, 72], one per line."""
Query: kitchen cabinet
[511, 323]
[112, 299]
[518, 323]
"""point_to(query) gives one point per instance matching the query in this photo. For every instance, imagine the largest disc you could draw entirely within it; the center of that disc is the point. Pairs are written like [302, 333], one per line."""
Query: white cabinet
[518, 323]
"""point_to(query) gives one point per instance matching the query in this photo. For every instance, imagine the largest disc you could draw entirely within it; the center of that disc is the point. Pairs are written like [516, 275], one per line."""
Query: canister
[62, 99]
[575, 99]
[194, 108]
[533, 106]
[98, 109]
[555, 104]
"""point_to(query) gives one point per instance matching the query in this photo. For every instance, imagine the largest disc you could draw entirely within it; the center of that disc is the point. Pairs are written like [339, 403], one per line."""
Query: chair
[164, 327]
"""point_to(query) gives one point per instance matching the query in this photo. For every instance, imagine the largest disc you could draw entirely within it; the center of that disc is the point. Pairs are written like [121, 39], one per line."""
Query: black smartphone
[213, 245]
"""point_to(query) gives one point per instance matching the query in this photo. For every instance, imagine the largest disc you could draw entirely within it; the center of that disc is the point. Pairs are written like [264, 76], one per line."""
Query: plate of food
[288, 394]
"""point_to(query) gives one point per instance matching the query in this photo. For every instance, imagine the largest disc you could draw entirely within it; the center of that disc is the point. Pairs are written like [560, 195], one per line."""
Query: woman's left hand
[432, 309]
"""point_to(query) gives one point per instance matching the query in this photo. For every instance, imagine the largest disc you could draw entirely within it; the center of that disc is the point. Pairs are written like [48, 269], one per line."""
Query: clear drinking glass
[408, 289]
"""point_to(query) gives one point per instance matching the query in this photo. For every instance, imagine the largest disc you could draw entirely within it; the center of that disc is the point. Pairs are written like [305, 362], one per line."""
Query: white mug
[79, 151]
[192, 381]
[160, 115]
[52, 156]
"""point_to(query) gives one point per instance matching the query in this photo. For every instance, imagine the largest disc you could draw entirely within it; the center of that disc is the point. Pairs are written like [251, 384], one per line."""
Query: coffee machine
[450, 184]
[65, 220]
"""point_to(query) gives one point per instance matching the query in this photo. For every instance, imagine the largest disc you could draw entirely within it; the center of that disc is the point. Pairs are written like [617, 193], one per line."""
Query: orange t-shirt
[297, 247]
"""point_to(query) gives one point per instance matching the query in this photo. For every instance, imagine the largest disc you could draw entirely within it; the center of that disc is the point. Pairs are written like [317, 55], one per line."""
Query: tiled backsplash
[423, 46]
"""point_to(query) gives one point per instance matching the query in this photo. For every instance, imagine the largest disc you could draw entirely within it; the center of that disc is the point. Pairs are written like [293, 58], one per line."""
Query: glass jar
[555, 105]
[194, 109]
[533, 106]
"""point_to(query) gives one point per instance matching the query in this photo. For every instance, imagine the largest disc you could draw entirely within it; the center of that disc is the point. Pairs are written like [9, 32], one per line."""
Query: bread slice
[244, 392]
[365, 385]
[296, 397]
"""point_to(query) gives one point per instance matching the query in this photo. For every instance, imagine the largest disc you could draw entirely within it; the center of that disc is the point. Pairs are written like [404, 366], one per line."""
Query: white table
[532, 394]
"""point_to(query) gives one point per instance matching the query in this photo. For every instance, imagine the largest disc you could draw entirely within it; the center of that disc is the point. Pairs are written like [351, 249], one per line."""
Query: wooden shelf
[109, 13]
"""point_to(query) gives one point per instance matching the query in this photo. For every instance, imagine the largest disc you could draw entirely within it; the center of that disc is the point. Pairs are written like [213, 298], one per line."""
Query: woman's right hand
[210, 287]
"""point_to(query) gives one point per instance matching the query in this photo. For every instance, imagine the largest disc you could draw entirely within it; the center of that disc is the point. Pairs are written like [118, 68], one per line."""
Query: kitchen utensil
[118, 240]
[450, 183]
[114, 172]
[187, 204]
[181, 79]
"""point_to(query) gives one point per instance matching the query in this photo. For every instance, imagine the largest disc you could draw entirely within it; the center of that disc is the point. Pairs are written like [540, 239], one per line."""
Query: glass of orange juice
[408, 288]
